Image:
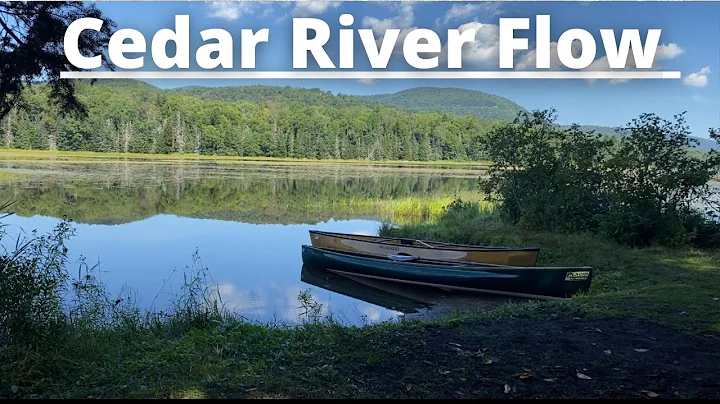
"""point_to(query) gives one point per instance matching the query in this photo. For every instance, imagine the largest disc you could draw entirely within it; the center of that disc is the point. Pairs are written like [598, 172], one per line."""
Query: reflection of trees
[124, 192]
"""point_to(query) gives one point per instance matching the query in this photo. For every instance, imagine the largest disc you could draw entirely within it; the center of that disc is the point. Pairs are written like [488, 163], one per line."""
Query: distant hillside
[452, 100]
[125, 84]
[257, 93]
[426, 99]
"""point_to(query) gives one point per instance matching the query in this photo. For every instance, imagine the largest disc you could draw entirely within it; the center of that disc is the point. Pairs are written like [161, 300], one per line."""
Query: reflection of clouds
[295, 310]
[372, 314]
[282, 305]
[243, 302]
[366, 232]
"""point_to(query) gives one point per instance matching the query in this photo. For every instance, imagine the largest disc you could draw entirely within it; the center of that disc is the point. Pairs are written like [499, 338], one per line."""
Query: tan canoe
[513, 256]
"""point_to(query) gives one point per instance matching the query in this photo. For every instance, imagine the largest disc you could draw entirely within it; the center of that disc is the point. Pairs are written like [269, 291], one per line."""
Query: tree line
[138, 118]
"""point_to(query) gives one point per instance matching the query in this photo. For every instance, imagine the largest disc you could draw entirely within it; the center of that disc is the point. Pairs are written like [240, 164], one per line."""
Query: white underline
[379, 1]
[175, 74]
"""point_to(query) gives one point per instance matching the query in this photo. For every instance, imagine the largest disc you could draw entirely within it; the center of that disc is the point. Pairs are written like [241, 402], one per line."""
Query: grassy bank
[86, 156]
[649, 327]
[672, 287]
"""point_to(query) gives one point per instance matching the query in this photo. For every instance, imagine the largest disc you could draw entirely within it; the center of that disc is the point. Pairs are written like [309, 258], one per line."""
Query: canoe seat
[402, 257]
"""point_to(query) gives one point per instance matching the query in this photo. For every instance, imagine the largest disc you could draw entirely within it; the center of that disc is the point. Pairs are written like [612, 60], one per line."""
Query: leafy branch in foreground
[31, 48]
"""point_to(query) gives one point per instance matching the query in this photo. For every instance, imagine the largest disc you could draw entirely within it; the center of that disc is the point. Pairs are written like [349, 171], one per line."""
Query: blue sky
[690, 43]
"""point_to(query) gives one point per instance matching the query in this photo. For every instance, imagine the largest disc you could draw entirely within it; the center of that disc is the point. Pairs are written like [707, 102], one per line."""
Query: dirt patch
[562, 358]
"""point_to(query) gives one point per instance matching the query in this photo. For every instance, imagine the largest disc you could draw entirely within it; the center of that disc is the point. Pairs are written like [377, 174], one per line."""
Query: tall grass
[44, 305]
[404, 210]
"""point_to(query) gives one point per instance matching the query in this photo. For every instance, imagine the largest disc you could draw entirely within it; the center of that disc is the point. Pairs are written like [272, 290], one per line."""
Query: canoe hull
[513, 281]
[514, 256]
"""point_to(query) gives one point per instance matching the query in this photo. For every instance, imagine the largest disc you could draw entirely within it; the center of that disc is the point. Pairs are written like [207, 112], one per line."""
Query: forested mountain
[138, 118]
[135, 117]
[452, 100]
[425, 99]
[256, 93]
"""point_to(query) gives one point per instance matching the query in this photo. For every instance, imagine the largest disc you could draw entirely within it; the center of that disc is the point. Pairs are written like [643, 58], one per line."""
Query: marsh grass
[8, 177]
[70, 156]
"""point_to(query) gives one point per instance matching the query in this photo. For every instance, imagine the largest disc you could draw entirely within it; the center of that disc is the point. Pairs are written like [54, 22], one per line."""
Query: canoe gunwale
[438, 245]
[467, 265]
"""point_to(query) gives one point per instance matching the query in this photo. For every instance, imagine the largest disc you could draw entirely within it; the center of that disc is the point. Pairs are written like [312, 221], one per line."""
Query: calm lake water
[142, 222]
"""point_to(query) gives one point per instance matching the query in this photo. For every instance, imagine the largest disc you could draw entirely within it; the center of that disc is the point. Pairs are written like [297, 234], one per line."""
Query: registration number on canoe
[577, 275]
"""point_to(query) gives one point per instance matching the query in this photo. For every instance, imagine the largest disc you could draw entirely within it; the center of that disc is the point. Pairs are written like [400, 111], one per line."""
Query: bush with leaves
[655, 182]
[638, 190]
[545, 176]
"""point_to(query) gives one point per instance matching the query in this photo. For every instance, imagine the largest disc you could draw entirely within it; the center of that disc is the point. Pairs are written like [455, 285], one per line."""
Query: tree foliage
[137, 118]
[31, 48]
[640, 189]
[452, 101]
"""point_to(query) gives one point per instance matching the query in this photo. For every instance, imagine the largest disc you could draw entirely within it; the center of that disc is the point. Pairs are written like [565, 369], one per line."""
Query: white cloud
[698, 79]
[312, 8]
[484, 50]
[366, 82]
[244, 302]
[669, 51]
[403, 20]
[229, 10]
[458, 11]
[266, 13]
[663, 52]
[528, 60]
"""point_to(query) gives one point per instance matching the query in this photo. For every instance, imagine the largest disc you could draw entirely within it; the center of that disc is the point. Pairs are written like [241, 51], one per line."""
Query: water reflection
[113, 193]
[389, 295]
[142, 222]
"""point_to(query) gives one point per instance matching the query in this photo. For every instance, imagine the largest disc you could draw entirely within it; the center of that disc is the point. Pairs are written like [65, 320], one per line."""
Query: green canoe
[532, 282]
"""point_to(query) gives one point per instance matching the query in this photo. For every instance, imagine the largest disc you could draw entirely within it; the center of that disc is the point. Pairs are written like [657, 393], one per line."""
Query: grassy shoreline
[679, 288]
[649, 327]
[31, 155]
